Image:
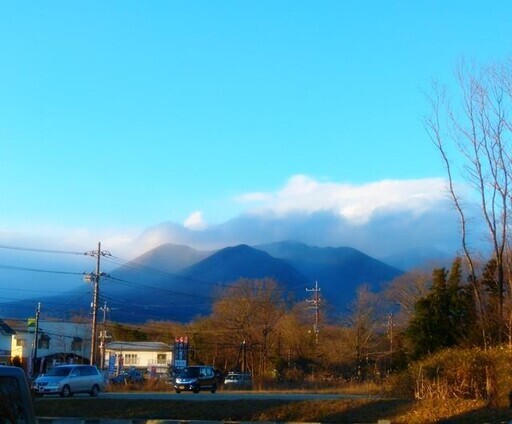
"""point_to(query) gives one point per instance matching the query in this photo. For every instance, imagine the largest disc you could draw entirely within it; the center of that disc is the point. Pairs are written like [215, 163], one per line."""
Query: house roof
[139, 346]
[22, 326]
[5, 328]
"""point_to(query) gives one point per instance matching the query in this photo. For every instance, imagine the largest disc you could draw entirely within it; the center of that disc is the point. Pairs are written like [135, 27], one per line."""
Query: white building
[153, 357]
[57, 342]
[6, 333]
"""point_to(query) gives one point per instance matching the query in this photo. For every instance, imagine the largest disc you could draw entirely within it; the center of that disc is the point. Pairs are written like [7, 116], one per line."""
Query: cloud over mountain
[382, 219]
[354, 203]
[378, 218]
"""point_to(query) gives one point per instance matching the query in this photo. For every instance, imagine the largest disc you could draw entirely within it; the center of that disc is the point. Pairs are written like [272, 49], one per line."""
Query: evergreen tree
[444, 317]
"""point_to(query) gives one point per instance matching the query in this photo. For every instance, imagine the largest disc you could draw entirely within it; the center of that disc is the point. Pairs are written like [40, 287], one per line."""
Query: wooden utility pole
[36, 336]
[95, 278]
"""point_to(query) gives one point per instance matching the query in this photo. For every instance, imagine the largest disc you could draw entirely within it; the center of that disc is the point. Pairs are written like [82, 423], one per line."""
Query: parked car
[238, 380]
[15, 398]
[195, 379]
[219, 376]
[129, 376]
[66, 380]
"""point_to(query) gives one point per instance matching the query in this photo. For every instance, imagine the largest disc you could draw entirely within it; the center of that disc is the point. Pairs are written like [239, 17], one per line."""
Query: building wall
[157, 361]
[70, 339]
[5, 348]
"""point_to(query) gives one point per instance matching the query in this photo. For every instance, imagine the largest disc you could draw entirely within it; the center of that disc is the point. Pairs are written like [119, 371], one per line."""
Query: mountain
[339, 271]
[158, 267]
[176, 282]
[420, 258]
[192, 291]
[231, 263]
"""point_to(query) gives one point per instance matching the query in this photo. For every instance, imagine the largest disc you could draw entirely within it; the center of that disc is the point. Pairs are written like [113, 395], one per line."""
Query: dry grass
[328, 411]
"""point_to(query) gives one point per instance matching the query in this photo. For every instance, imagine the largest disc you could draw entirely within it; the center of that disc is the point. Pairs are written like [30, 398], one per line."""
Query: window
[76, 344]
[130, 359]
[44, 341]
[20, 342]
[88, 370]
[161, 358]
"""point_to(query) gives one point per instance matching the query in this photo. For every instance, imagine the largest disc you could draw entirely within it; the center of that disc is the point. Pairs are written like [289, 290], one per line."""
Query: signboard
[112, 364]
[180, 363]
[180, 357]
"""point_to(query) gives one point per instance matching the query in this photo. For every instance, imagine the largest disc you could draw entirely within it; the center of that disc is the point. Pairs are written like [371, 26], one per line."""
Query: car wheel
[178, 391]
[214, 388]
[196, 389]
[66, 391]
[94, 391]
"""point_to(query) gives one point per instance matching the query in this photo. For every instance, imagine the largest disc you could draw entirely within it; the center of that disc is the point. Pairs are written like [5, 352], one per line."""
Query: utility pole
[95, 277]
[103, 335]
[390, 331]
[242, 357]
[316, 306]
[36, 336]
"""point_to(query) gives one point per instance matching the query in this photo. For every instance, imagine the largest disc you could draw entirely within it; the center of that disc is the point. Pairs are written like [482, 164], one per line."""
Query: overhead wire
[32, 249]
[19, 268]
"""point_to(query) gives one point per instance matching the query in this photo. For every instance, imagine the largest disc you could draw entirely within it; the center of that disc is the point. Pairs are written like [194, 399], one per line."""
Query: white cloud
[378, 218]
[195, 221]
[355, 203]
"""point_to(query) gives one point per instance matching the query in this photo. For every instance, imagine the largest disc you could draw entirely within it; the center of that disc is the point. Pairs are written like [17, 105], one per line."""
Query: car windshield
[189, 372]
[59, 371]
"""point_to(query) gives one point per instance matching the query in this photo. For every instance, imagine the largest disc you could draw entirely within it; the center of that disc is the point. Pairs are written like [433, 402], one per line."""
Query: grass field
[331, 411]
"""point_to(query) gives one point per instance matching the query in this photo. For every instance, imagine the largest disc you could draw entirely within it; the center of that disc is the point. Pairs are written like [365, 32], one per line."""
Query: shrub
[462, 374]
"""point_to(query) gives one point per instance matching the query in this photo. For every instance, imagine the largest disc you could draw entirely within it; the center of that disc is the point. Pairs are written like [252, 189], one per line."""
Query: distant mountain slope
[168, 257]
[231, 263]
[191, 291]
[418, 258]
[338, 270]
[158, 267]
[174, 282]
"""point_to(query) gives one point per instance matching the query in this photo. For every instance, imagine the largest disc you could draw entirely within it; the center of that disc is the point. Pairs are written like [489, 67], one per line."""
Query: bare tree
[479, 127]
[248, 312]
[362, 321]
[405, 290]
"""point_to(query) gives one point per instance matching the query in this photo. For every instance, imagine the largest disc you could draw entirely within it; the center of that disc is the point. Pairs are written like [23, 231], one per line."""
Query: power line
[49, 271]
[32, 249]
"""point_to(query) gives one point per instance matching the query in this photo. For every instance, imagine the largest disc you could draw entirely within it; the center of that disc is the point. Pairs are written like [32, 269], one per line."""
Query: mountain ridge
[179, 283]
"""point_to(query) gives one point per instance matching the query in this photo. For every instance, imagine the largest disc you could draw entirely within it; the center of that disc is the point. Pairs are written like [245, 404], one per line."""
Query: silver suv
[66, 380]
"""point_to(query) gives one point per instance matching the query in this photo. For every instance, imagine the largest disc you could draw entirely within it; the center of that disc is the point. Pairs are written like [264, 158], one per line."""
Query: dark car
[127, 377]
[195, 379]
[15, 398]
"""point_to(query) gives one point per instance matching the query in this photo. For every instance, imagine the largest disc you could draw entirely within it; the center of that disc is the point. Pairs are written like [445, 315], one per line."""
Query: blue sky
[116, 116]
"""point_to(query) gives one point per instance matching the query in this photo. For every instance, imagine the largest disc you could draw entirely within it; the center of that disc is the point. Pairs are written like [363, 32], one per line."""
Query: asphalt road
[203, 396]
